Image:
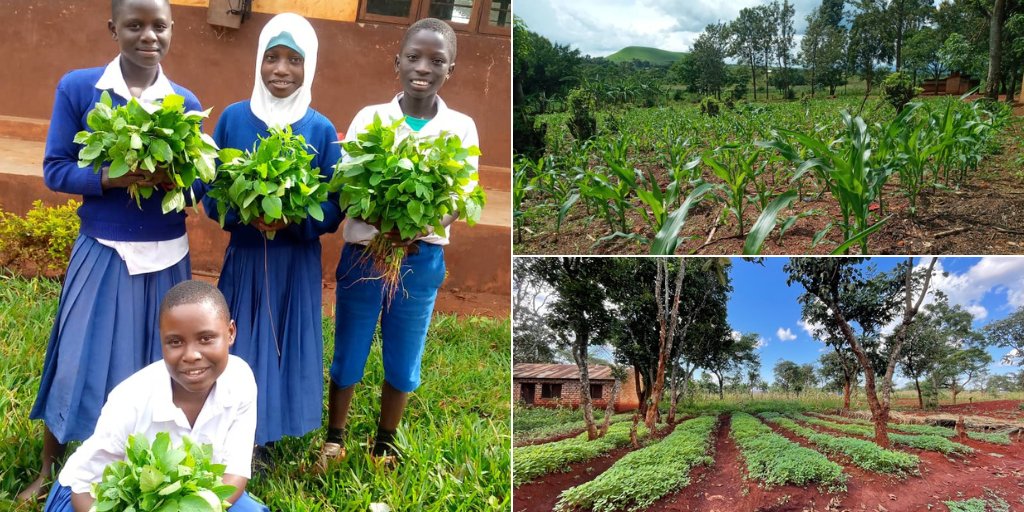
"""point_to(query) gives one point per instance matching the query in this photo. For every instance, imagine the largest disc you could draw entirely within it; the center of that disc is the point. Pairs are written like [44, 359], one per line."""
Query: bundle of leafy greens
[273, 181]
[163, 478]
[405, 183]
[132, 138]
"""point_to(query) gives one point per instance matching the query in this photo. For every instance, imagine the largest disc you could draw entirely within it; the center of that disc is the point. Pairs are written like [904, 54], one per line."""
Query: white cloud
[761, 342]
[810, 327]
[785, 334]
[1010, 359]
[736, 335]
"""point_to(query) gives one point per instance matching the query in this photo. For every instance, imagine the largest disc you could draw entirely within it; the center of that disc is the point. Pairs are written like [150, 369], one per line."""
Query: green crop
[162, 478]
[529, 462]
[643, 476]
[775, 460]
[273, 181]
[924, 442]
[131, 138]
[406, 184]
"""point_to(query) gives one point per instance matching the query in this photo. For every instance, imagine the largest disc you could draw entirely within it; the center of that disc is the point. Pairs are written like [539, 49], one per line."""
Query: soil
[991, 469]
[983, 216]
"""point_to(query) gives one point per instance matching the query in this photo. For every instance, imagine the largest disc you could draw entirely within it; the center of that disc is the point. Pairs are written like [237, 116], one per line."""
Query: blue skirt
[277, 306]
[59, 500]
[107, 328]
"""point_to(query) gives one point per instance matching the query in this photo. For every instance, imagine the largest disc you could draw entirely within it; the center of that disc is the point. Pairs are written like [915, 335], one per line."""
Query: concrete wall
[43, 39]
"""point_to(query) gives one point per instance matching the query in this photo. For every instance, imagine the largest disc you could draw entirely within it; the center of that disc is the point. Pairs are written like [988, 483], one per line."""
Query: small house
[553, 385]
[952, 84]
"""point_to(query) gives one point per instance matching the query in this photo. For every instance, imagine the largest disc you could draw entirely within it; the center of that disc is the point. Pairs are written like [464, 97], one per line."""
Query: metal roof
[558, 371]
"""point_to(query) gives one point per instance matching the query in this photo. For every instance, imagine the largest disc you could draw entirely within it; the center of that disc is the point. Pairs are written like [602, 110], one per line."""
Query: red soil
[722, 487]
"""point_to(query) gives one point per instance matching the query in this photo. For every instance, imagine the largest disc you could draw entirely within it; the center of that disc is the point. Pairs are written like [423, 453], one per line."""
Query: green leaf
[316, 211]
[272, 207]
[118, 168]
[667, 238]
[766, 222]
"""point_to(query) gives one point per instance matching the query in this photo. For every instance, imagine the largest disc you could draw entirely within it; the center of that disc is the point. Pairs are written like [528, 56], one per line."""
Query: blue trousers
[60, 501]
[403, 322]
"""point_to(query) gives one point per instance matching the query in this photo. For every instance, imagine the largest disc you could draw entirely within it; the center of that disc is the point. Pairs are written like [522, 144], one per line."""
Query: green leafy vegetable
[405, 184]
[274, 181]
[131, 138]
[163, 478]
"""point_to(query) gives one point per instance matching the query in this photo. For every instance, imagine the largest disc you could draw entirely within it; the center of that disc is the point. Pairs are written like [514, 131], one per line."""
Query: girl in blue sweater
[125, 258]
[273, 287]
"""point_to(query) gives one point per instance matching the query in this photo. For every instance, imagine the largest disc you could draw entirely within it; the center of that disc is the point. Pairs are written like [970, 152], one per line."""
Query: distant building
[552, 385]
[952, 84]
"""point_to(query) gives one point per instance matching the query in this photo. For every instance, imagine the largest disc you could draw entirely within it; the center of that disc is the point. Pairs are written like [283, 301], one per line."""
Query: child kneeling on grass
[198, 390]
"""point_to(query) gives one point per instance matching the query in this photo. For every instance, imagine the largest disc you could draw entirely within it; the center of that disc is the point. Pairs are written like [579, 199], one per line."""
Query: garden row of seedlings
[1002, 438]
[548, 431]
[929, 442]
[775, 460]
[530, 462]
[643, 476]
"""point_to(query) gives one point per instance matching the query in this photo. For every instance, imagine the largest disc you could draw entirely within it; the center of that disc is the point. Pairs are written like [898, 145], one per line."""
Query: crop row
[641, 477]
[865, 454]
[924, 442]
[545, 430]
[529, 462]
[988, 437]
[746, 161]
[775, 460]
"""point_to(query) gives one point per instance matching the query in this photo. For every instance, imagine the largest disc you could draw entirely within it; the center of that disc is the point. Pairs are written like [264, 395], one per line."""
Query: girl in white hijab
[273, 287]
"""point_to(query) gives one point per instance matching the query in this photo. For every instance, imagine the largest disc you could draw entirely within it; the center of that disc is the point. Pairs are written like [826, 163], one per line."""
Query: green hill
[643, 53]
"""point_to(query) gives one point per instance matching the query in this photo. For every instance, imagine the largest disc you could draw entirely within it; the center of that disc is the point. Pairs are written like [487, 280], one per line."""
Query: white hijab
[281, 112]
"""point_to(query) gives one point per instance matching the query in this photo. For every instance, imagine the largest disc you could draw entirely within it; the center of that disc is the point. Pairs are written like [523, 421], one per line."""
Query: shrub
[709, 106]
[43, 237]
[775, 460]
[738, 91]
[898, 89]
[582, 107]
[643, 476]
[530, 462]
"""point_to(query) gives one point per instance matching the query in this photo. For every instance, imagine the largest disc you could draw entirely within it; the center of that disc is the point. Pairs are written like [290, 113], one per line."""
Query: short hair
[195, 292]
[116, 5]
[437, 26]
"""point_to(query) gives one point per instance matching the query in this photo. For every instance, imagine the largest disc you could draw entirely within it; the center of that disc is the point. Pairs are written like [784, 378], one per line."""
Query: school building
[42, 40]
[558, 385]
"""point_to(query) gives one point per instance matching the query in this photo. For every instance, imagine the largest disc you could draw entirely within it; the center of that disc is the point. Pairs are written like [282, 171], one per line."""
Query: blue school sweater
[110, 214]
[239, 128]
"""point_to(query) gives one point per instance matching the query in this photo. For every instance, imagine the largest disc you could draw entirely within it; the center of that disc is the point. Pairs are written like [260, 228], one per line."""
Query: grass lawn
[455, 433]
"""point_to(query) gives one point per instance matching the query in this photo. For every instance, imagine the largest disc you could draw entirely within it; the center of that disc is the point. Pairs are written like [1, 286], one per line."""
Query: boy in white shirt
[198, 390]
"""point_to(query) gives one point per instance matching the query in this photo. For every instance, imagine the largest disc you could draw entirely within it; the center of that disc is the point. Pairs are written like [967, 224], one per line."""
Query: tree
[957, 54]
[667, 301]
[841, 287]
[995, 47]
[784, 42]
[748, 31]
[737, 355]
[938, 331]
[703, 69]
[839, 371]
[921, 54]
[961, 367]
[577, 315]
[790, 376]
[532, 342]
[1009, 333]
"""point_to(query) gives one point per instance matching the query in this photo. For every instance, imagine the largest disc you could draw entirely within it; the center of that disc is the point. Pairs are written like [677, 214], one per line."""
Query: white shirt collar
[113, 79]
[442, 107]
[163, 398]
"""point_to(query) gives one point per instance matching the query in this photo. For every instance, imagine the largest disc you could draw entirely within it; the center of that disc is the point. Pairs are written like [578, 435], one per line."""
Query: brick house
[952, 84]
[551, 385]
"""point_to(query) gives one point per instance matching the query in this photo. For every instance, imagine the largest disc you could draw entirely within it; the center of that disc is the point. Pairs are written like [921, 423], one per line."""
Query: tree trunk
[995, 50]
[609, 408]
[955, 389]
[667, 317]
[846, 396]
[673, 384]
[580, 355]
[920, 399]
[721, 386]
[632, 430]
[753, 76]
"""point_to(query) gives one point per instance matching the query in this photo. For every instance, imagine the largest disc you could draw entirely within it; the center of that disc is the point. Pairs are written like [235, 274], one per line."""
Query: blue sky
[602, 27]
[990, 288]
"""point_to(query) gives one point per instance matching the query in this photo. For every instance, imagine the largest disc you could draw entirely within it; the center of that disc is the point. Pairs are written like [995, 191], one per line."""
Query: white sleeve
[471, 138]
[106, 444]
[237, 449]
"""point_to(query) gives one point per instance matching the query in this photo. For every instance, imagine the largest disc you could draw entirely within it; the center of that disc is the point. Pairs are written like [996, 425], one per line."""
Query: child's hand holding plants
[161, 478]
[272, 185]
[404, 186]
[145, 149]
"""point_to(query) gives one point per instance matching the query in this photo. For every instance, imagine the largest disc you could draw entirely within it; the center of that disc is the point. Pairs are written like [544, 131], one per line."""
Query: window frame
[554, 390]
[479, 19]
[600, 391]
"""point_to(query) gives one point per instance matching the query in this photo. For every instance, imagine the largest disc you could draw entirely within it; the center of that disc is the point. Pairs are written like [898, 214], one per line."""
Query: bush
[42, 239]
[709, 106]
[643, 476]
[738, 91]
[582, 107]
[898, 89]
[530, 462]
[775, 460]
